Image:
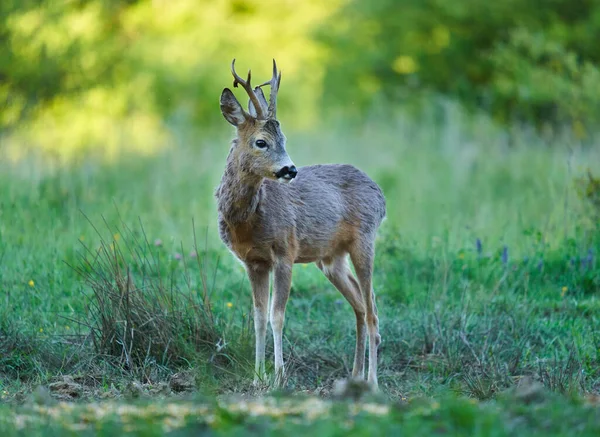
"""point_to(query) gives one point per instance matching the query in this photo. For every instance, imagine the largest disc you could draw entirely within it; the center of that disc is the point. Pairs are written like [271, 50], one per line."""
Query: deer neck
[239, 193]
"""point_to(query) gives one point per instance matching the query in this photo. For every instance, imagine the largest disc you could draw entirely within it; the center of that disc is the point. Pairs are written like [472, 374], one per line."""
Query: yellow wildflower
[116, 237]
[31, 283]
[564, 291]
[41, 329]
[229, 305]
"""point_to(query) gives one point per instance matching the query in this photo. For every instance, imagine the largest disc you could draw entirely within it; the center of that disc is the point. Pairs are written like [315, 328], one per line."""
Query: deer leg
[339, 274]
[362, 256]
[259, 280]
[281, 292]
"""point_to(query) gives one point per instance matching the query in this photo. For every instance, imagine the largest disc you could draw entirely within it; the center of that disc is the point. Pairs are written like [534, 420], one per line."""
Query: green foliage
[54, 48]
[533, 61]
[67, 83]
[105, 76]
[540, 80]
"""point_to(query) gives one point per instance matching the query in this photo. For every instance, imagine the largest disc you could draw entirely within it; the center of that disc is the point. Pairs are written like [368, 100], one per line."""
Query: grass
[113, 277]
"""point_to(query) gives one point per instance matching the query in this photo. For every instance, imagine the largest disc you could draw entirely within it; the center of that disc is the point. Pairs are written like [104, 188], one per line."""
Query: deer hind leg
[362, 254]
[259, 280]
[339, 274]
[281, 293]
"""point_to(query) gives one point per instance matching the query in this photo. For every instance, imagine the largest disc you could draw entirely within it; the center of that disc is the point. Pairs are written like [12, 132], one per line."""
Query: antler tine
[274, 83]
[248, 87]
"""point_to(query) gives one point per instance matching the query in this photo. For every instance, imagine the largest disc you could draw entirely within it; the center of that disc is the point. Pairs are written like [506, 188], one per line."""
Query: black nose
[292, 172]
[287, 172]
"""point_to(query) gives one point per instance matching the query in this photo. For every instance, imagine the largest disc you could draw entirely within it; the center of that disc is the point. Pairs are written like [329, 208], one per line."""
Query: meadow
[116, 289]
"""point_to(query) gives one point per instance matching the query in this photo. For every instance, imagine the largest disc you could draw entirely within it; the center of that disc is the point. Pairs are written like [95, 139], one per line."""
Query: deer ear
[262, 100]
[231, 108]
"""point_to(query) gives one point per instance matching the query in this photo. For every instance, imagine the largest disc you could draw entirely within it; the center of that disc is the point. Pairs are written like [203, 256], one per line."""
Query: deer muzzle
[287, 172]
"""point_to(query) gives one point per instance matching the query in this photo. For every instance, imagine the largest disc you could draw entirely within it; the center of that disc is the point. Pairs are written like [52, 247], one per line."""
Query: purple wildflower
[193, 254]
[540, 264]
[158, 242]
[177, 256]
[479, 247]
[504, 257]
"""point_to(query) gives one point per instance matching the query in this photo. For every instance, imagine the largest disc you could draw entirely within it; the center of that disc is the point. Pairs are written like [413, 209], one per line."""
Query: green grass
[453, 319]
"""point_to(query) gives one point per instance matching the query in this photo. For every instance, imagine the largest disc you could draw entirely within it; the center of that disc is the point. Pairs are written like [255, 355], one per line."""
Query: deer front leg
[281, 292]
[259, 280]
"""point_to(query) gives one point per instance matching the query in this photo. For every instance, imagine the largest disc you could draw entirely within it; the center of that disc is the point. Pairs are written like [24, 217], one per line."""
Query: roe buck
[326, 214]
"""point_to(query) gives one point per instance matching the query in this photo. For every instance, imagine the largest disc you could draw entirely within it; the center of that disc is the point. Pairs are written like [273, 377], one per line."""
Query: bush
[539, 80]
[107, 74]
[534, 61]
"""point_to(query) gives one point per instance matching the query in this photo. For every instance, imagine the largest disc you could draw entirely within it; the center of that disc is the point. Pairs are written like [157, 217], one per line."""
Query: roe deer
[327, 213]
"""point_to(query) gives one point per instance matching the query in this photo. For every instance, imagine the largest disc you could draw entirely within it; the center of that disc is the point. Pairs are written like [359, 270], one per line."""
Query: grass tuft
[138, 317]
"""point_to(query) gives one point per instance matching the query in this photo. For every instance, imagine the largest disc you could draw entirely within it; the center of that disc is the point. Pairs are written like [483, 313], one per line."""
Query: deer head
[260, 145]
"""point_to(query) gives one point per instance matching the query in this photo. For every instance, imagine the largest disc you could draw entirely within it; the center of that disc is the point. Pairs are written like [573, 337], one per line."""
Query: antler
[274, 82]
[246, 85]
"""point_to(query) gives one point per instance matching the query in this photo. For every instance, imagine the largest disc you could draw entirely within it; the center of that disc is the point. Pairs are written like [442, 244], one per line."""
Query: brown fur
[325, 214]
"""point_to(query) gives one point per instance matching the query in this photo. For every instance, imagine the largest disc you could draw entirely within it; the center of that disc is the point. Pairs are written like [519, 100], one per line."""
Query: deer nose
[287, 172]
[292, 172]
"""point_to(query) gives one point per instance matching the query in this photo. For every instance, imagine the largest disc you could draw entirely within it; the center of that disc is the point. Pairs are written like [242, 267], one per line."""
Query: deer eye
[261, 144]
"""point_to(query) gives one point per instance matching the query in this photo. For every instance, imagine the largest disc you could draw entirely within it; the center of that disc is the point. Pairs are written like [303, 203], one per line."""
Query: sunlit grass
[113, 77]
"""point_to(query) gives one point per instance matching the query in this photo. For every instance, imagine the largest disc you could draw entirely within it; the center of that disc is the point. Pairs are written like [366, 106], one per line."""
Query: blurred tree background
[531, 61]
[105, 74]
[83, 75]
